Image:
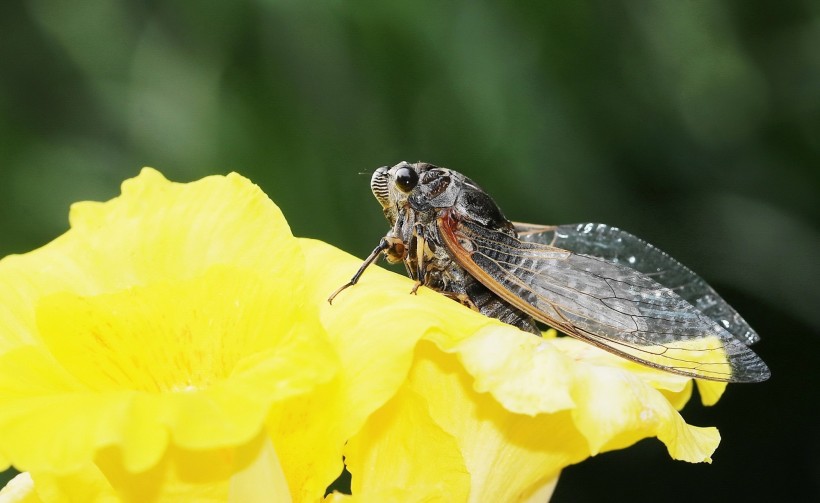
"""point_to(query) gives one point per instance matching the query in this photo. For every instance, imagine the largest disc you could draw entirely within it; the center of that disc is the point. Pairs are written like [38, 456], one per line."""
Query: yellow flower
[147, 346]
[483, 411]
[176, 345]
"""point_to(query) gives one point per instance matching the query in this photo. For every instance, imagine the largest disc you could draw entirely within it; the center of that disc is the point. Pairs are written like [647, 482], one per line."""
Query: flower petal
[710, 391]
[261, 480]
[248, 473]
[158, 230]
[509, 456]
[155, 231]
[616, 409]
[614, 402]
[26, 278]
[403, 430]
[621, 402]
[528, 375]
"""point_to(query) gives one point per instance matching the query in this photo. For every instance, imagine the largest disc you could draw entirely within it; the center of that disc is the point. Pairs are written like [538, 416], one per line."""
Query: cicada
[590, 281]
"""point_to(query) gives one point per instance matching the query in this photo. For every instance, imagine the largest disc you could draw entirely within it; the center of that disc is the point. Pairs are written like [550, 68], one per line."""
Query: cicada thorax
[430, 262]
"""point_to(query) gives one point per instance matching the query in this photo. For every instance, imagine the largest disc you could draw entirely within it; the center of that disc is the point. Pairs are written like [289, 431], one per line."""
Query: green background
[693, 124]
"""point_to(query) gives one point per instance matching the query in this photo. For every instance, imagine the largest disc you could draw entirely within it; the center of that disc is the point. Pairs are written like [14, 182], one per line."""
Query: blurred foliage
[693, 124]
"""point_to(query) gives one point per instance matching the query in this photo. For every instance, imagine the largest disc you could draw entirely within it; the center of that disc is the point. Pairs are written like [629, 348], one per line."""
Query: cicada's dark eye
[406, 179]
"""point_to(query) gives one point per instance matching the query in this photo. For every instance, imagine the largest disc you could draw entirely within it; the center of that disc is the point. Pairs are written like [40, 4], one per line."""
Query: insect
[590, 281]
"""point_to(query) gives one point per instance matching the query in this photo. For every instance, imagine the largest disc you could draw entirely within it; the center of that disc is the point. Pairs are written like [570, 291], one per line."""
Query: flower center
[162, 337]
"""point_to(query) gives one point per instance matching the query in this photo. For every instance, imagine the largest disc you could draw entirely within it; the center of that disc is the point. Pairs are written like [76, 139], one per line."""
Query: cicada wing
[622, 248]
[602, 302]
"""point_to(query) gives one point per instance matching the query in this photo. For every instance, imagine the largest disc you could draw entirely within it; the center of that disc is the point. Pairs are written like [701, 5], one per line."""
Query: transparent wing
[620, 247]
[604, 303]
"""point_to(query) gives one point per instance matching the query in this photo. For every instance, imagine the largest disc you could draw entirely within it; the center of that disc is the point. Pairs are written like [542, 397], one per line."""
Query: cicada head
[423, 186]
[398, 189]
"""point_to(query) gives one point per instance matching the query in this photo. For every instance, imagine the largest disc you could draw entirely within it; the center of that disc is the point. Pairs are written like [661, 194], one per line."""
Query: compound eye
[406, 179]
